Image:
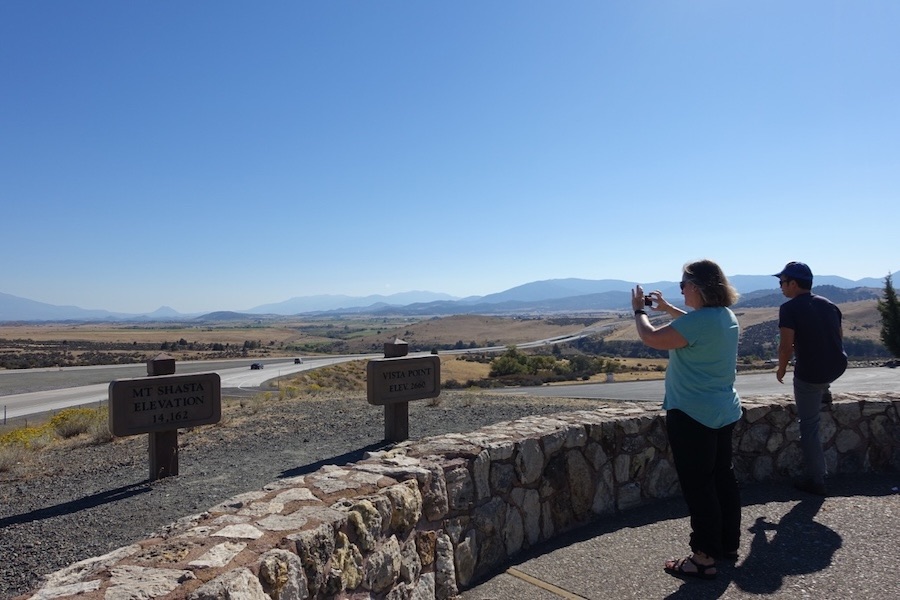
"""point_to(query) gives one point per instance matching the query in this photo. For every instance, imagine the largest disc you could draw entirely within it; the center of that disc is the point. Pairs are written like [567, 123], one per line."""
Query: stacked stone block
[429, 517]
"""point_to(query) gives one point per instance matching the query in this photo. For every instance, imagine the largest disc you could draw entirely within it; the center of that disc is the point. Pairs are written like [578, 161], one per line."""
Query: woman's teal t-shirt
[700, 376]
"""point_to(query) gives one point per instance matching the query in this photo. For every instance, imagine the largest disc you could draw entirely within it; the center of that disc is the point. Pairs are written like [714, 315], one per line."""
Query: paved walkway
[795, 546]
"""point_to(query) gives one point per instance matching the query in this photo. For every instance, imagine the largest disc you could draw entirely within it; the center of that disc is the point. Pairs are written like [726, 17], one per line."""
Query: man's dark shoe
[811, 487]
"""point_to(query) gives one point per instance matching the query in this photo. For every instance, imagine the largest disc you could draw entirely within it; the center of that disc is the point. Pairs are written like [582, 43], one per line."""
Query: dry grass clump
[255, 403]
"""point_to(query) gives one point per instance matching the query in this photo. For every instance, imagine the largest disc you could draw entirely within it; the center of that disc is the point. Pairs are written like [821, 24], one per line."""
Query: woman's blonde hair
[711, 283]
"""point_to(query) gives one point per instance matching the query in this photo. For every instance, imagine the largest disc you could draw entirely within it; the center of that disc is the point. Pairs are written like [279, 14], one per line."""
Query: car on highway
[256, 366]
[298, 361]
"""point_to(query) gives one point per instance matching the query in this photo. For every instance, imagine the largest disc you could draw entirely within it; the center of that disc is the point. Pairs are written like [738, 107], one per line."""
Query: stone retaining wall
[429, 517]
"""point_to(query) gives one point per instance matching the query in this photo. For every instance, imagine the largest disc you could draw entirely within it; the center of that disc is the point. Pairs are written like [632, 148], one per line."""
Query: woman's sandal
[676, 568]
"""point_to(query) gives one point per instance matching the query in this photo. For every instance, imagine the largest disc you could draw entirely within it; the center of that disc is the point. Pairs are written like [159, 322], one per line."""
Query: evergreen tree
[890, 318]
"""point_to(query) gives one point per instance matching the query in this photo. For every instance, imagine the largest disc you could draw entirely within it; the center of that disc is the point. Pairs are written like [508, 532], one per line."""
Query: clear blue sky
[222, 155]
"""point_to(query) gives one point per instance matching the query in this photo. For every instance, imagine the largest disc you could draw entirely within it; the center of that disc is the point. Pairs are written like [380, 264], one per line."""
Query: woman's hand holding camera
[661, 303]
[653, 301]
[639, 301]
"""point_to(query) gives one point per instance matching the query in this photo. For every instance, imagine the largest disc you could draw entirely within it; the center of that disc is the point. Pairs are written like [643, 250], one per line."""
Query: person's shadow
[799, 545]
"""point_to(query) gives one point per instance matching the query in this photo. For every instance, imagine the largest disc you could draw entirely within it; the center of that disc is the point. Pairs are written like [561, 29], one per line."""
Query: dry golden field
[502, 330]
[272, 338]
[286, 337]
[861, 319]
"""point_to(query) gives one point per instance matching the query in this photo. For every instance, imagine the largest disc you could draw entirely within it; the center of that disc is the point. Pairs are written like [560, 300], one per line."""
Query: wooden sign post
[395, 380]
[159, 405]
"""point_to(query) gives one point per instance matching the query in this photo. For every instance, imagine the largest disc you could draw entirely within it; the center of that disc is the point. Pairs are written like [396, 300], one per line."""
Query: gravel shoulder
[75, 500]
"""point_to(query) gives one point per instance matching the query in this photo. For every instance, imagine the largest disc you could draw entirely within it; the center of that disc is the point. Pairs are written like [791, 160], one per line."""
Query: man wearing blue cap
[811, 331]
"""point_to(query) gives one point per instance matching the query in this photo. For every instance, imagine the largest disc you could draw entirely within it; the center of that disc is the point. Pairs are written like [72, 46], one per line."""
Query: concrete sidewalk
[795, 546]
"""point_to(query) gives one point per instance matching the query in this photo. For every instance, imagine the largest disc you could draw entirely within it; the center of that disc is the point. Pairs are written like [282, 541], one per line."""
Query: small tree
[890, 318]
[507, 365]
[512, 362]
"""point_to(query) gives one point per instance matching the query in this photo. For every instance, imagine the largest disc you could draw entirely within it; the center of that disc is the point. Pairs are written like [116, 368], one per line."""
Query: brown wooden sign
[393, 380]
[149, 404]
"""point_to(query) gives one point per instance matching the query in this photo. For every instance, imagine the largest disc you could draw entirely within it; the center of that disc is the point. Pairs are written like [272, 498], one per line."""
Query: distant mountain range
[538, 297]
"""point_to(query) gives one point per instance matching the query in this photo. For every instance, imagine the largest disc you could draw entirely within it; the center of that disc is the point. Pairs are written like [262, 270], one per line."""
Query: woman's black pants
[703, 462]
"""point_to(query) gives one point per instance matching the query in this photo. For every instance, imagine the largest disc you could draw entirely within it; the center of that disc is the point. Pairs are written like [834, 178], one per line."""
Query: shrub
[74, 421]
[27, 437]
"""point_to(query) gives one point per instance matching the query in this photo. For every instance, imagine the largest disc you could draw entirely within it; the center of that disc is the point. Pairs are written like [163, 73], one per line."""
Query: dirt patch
[460, 370]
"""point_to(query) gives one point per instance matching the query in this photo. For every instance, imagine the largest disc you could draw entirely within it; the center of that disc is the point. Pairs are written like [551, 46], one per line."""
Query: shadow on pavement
[799, 545]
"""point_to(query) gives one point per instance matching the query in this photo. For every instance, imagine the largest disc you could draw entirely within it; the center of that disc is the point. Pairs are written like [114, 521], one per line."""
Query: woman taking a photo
[702, 408]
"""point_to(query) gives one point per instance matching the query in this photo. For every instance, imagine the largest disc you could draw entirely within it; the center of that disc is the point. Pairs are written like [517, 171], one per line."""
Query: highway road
[873, 379]
[33, 391]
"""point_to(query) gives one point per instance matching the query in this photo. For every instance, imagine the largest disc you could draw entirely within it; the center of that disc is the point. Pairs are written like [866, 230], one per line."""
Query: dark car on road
[256, 366]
